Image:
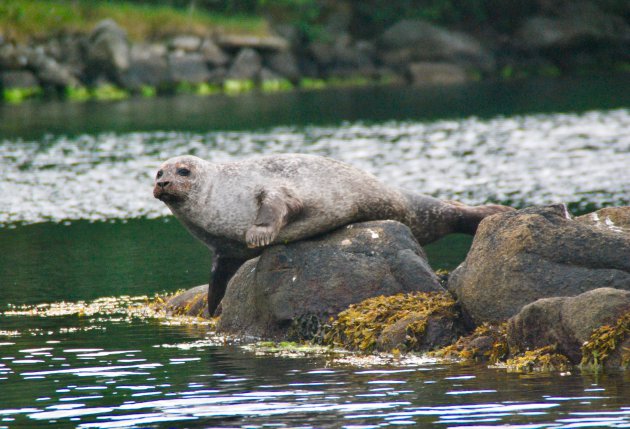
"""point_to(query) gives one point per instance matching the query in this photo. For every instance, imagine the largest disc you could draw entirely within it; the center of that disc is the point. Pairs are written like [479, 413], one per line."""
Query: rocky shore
[539, 290]
[577, 38]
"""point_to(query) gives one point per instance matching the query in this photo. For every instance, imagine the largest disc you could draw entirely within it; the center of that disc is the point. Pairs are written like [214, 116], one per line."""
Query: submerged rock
[539, 252]
[291, 290]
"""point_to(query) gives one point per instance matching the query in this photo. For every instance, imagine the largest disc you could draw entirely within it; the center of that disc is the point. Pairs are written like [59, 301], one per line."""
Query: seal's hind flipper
[276, 206]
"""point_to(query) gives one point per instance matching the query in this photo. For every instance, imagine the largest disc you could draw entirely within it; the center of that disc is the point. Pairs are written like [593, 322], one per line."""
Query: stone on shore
[291, 290]
[188, 68]
[263, 43]
[108, 52]
[246, 65]
[519, 257]
[410, 41]
[426, 73]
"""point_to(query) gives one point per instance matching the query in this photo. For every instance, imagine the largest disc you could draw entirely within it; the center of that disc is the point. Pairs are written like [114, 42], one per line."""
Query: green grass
[17, 95]
[25, 19]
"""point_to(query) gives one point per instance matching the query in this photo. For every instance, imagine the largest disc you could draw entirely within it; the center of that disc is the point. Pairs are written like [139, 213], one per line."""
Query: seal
[239, 208]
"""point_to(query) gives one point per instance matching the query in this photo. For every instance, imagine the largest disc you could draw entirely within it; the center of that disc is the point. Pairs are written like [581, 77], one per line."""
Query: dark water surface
[79, 225]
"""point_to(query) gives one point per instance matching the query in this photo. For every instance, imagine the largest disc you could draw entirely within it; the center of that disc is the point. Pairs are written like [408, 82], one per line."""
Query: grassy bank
[22, 20]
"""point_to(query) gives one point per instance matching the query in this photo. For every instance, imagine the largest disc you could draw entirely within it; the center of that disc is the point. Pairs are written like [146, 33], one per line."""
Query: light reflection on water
[145, 373]
[106, 370]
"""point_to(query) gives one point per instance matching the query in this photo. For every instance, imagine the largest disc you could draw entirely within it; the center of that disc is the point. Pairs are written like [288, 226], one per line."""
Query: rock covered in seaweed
[538, 252]
[566, 322]
[418, 322]
[192, 302]
[290, 290]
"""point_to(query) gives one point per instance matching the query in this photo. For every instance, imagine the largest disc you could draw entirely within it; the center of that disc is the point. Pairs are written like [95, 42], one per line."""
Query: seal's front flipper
[275, 208]
[222, 271]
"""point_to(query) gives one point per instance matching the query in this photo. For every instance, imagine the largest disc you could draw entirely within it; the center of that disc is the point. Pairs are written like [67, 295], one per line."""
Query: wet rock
[437, 74]
[320, 277]
[213, 54]
[190, 68]
[566, 322]
[108, 52]
[192, 302]
[18, 79]
[538, 252]
[246, 65]
[439, 329]
[411, 41]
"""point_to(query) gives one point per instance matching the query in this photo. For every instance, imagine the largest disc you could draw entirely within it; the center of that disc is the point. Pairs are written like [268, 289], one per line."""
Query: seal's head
[176, 179]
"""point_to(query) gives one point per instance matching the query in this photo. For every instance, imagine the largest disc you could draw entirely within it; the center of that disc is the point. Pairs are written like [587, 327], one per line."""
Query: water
[79, 224]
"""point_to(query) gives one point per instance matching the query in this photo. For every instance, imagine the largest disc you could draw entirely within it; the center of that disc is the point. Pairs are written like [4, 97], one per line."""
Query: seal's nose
[163, 184]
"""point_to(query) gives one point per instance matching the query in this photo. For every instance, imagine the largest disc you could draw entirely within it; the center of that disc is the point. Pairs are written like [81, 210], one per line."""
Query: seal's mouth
[165, 196]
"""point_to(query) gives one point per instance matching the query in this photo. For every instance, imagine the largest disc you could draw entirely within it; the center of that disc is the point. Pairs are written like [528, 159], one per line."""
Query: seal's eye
[183, 172]
[159, 174]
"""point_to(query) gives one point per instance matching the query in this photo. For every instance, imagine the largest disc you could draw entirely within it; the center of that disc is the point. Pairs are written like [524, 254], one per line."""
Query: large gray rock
[68, 50]
[49, 72]
[284, 63]
[312, 280]
[213, 54]
[411, 41]
[566, 322]
[148, 66]
[538, 252]
[108, 52]
[246, 65]
[578, 24]
[189, 68]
